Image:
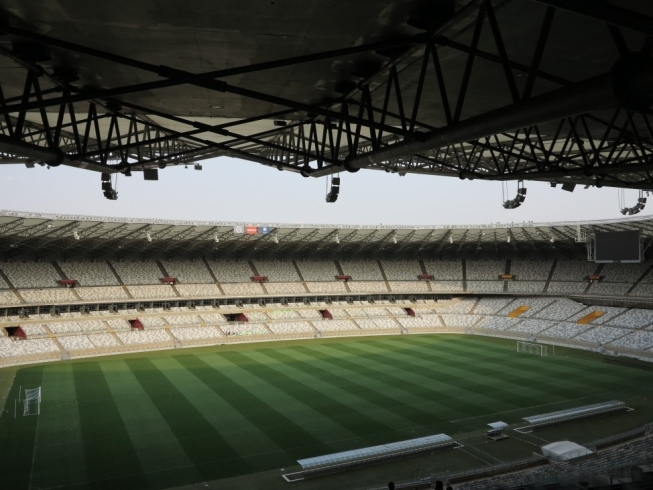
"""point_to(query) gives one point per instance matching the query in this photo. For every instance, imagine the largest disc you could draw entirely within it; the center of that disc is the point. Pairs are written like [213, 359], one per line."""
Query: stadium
[254, 353]
[317, 328]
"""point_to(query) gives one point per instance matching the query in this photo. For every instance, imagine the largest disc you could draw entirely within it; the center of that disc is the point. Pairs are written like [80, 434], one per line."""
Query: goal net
[31, 401]
[531, 348]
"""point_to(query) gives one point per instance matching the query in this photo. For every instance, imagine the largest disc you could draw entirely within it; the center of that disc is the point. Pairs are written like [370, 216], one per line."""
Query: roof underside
[410, 70]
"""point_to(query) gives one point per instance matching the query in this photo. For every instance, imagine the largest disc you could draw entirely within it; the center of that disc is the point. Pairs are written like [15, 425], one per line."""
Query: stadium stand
[188, 272]
[152, 292]
[232, 271]
[101, 293]
[401, 270]
[362, 270]
[277, 271]
[333, 287]
[89, 273]
[49, 295]
[198, 290]
[25, 275]
[317, 271]
[141, 272]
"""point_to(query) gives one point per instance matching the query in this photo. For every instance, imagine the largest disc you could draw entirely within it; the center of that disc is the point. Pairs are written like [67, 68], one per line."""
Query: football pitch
[178, 417]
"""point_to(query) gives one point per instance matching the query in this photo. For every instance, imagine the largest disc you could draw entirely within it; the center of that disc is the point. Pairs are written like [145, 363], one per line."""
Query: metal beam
[627, 84]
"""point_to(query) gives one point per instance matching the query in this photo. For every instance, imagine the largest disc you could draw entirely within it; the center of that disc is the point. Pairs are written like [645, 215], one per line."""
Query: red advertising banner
[251, 230]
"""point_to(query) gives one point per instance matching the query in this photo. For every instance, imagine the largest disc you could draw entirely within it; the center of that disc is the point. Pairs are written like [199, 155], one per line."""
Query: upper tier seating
[323, 270]
[234, 271]
[335, 325]
[138, 272]
[89, 273]
[625, 273]
[3, 284]
[188, 272]
[362, 270]
[445, 270]
[277, 271]
[401, 270]
[484, 270]
[531, 270]
[573, 270]
[567, 287]
[31, 274]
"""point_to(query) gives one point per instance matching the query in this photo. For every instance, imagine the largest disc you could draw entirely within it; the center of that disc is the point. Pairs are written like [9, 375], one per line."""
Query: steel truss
[411, 115]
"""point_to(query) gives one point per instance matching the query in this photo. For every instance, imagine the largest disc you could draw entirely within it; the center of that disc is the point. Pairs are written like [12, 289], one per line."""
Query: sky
[233, 190]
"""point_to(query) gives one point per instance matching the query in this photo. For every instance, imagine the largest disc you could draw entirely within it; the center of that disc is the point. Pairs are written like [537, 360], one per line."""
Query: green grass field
[179, 417]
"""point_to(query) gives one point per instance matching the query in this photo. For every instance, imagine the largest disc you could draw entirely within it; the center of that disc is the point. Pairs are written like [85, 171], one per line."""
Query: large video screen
[617, 246]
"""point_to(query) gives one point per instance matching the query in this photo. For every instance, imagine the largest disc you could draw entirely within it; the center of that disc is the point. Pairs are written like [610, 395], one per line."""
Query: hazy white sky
[233, 190]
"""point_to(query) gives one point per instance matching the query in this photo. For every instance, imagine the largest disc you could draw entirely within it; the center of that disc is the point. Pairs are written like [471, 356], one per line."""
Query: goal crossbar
[532, 348]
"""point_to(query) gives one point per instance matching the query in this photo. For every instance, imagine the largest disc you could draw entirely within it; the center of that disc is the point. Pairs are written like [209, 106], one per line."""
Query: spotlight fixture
[641, 204]
[332, 194]
[518, 199]
[108, 191]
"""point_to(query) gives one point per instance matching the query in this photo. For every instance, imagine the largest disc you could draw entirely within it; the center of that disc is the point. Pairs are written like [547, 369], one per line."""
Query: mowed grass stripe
[438, 405]
[532, 372]
[344, 415]
[251, 444]
[477, 387]
[275, 423]
[59, 457]
[534, 382]
[162, 458]
[111, 460]
[352, 382]
[18, 434]
[212, 456]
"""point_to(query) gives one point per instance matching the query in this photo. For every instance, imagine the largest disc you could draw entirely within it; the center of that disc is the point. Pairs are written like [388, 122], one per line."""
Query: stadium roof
[29, 235]
[549, 90]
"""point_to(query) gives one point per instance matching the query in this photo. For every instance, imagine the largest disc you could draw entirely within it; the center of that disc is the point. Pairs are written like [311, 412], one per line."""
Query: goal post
[31, 401]
[532, 348]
